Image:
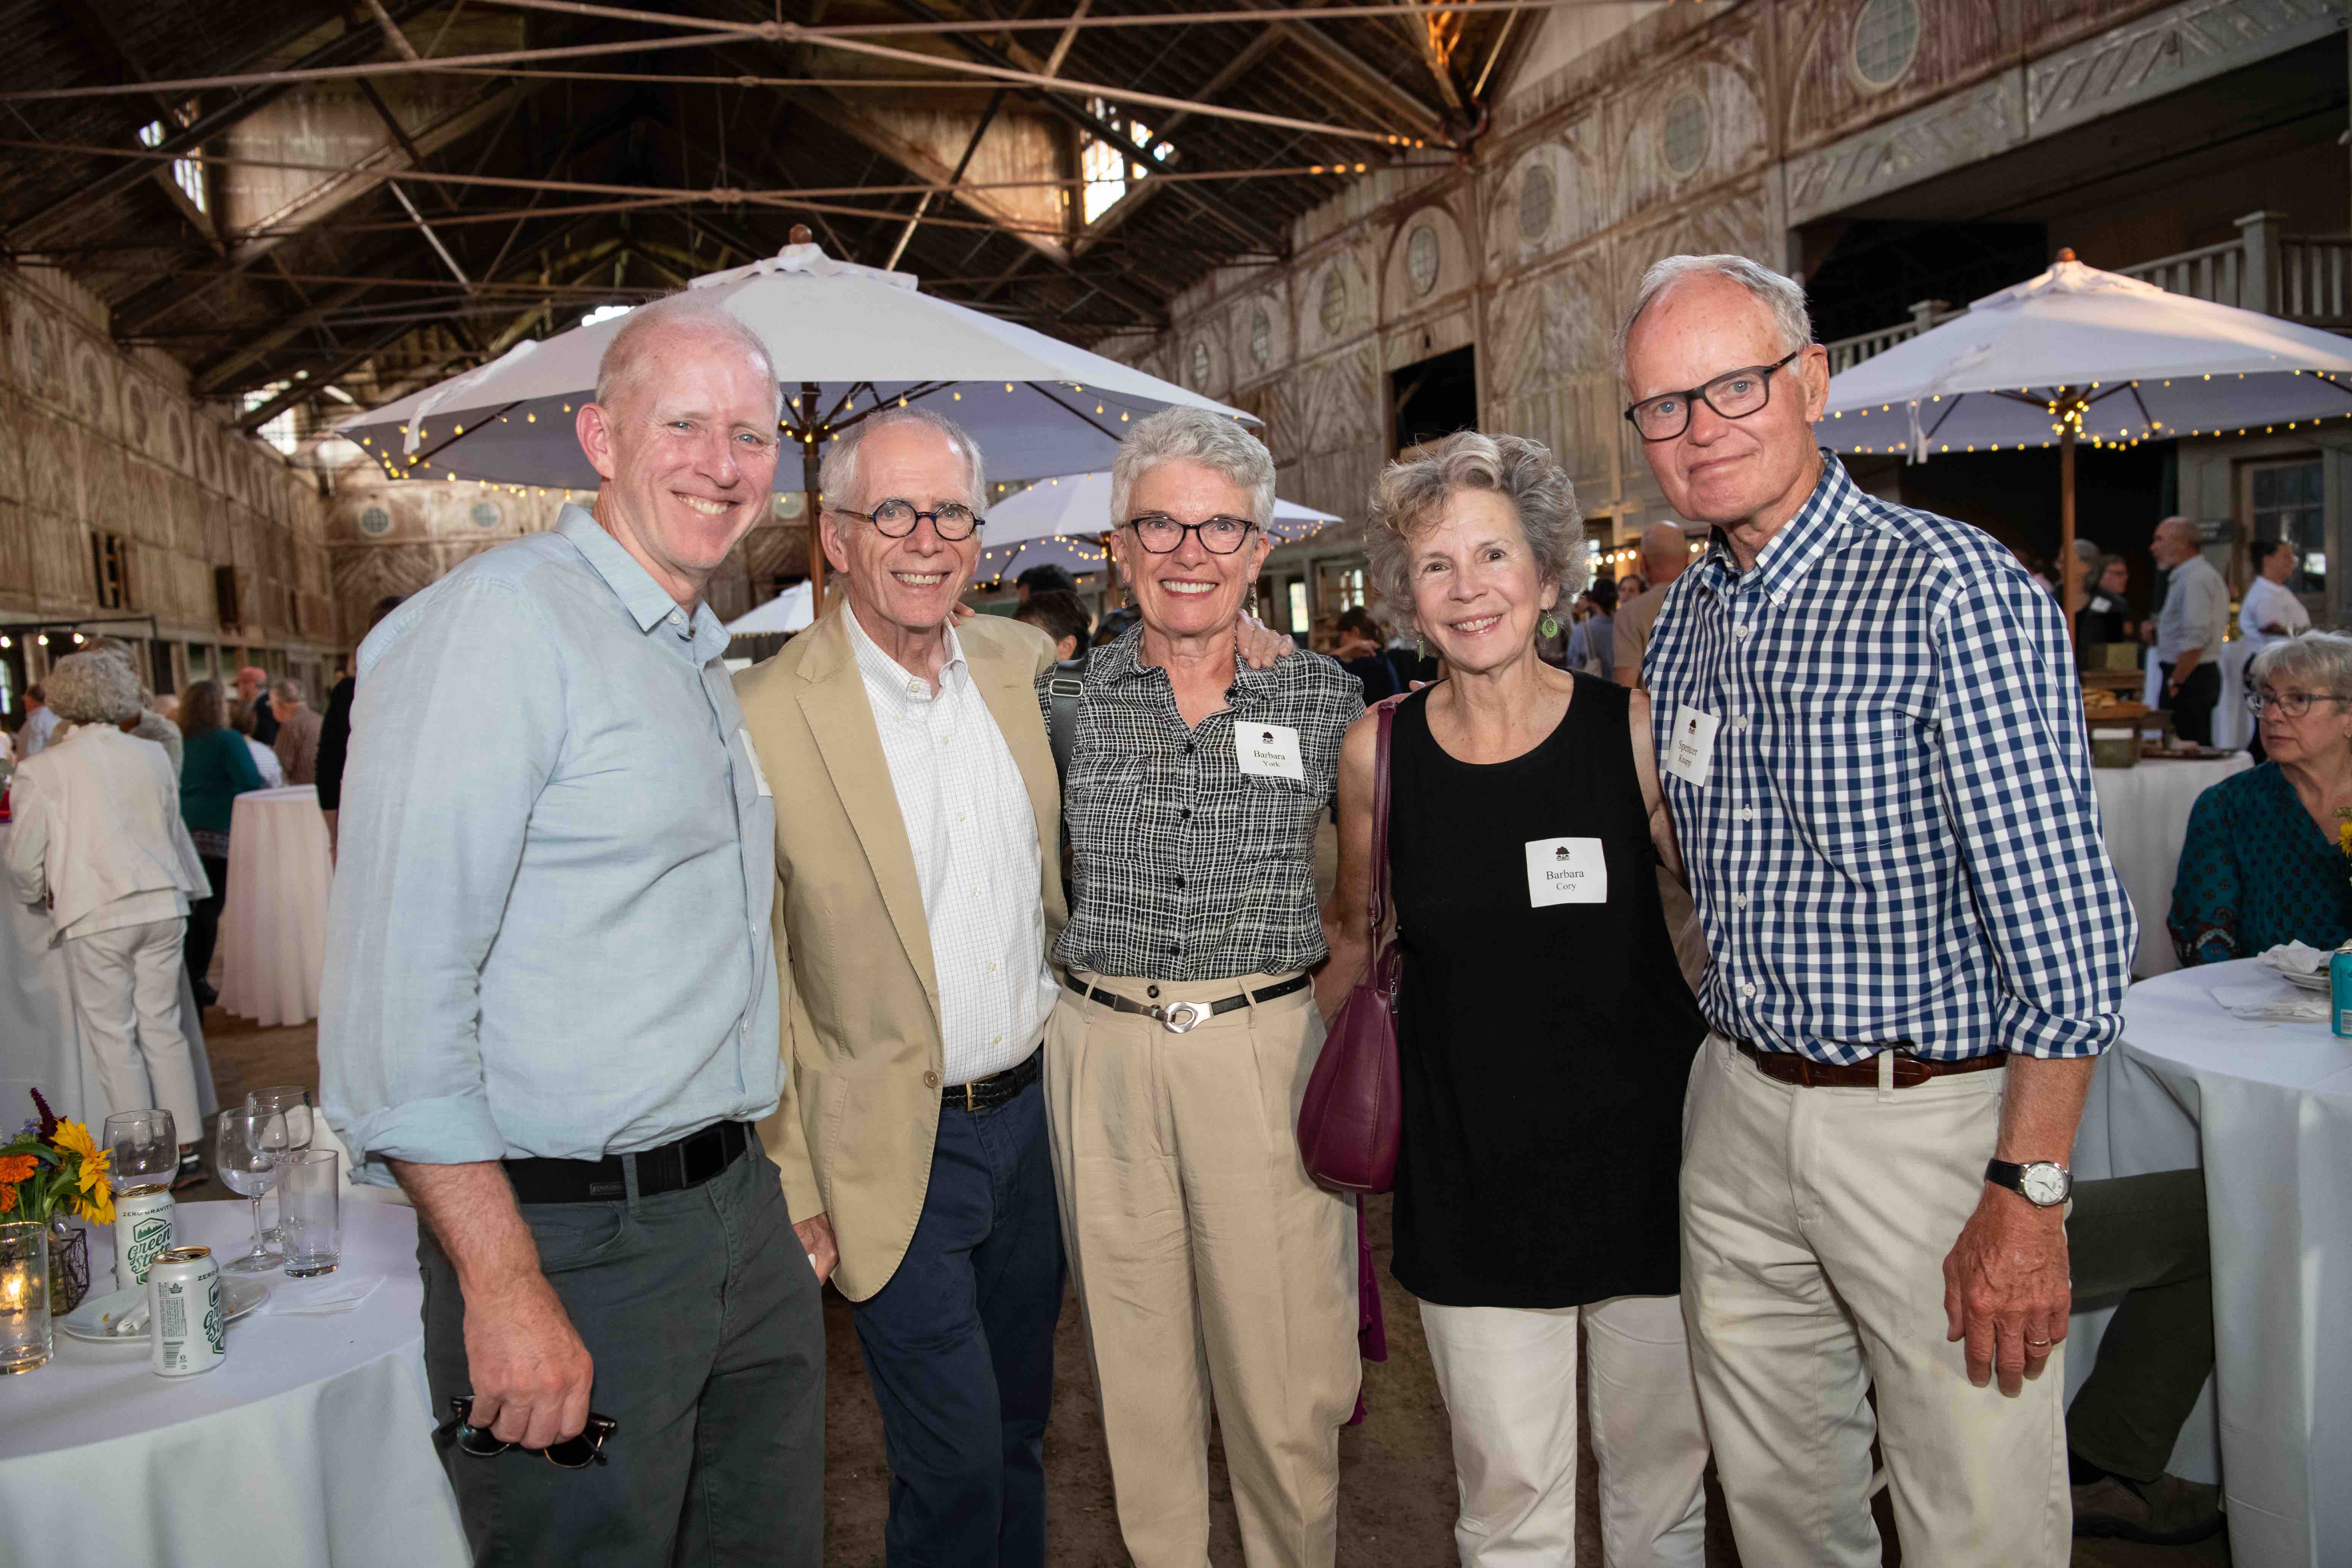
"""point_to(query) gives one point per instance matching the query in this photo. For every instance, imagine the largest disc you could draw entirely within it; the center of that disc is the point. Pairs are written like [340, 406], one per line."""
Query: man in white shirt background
[2270, 610]
[40, 719]
[2190, 629]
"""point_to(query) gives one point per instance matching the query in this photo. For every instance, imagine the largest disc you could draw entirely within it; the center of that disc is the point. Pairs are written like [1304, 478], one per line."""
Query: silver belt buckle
[1180, 1018]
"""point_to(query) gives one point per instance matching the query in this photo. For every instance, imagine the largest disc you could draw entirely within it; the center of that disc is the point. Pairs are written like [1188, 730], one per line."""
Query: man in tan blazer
[919, 890]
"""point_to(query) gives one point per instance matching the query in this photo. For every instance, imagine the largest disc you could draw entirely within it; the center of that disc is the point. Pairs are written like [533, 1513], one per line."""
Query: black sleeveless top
[1544, 1031]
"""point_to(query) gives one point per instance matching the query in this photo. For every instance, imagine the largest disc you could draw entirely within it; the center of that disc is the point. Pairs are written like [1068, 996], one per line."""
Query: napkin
[337, 1292]
[133, 1322]
[2266, 1001]
[2299, 957]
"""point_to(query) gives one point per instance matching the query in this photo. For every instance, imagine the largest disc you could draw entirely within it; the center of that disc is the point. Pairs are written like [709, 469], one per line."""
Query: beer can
[144, 1226]
[184, 1322]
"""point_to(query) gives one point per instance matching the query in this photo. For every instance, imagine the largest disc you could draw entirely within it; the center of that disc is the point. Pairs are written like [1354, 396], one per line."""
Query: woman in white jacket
[98, 839]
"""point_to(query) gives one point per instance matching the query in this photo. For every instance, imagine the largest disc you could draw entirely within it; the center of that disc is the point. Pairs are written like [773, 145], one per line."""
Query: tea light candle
[25, 1333]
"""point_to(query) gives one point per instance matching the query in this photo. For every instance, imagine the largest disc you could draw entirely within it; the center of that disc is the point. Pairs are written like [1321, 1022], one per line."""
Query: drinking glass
[144, 1149]
[246, 1158]
[25, 1332]
[308, 1200]
[293, 1101]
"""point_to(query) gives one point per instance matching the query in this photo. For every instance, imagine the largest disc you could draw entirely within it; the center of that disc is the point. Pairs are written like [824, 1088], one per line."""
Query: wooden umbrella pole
[2070, 566]
[811, 463]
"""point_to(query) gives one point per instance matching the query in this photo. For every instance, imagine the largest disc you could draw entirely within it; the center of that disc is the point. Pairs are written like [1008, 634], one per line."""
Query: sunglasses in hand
[572, 1454]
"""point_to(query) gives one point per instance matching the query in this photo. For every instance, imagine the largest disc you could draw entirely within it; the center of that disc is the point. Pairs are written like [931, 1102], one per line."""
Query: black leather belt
[988, 1093]
[1910, 1071]
[688, 1163]
[1178, 1016]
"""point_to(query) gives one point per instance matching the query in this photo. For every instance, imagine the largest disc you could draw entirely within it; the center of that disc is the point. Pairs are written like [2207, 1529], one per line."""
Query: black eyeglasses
[2294, 704]
[572, 1454]
[895, 519]
[1734, 394]
[1163, 534]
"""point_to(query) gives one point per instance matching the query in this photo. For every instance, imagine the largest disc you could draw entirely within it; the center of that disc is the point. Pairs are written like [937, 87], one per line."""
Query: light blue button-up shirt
[549, 933]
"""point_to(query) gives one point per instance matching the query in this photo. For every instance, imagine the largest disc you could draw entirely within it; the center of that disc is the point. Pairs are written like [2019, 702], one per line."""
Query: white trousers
[1815, 1225]
[126, 989]
[1508, 1377]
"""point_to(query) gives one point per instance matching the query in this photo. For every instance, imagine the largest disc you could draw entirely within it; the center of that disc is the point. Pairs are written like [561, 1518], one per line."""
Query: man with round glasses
[1872, 737]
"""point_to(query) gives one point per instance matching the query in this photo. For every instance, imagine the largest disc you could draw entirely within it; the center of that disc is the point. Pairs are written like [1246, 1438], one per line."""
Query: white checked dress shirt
[974, 839]
[1896, 845]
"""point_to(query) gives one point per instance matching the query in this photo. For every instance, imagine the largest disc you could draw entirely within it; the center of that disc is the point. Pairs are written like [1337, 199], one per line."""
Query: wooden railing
[2306, 279]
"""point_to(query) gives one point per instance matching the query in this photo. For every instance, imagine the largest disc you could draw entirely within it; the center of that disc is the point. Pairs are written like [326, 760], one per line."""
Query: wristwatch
[2044, 1184]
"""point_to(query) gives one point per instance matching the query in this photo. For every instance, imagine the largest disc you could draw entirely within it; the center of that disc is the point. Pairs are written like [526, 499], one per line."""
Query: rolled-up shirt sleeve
[458, 723]
[2016, 784]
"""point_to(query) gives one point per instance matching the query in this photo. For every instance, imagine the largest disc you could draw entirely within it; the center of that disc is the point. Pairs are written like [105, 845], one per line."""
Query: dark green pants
[702, 1314]
[2143, 1239]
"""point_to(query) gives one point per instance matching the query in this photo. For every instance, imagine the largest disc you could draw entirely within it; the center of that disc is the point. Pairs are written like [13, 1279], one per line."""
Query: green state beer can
[144, 1223]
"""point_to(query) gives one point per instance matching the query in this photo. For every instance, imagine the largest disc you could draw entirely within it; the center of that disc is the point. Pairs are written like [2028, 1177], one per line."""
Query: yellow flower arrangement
[54, 1166]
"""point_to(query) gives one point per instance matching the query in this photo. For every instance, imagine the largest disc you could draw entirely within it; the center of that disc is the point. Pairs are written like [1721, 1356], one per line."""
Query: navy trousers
[960, 1346]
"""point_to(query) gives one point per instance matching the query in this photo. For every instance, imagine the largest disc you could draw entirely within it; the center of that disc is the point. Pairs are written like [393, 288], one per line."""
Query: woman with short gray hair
[2260, 864]
[1543, 1099]
[1213, 1273]
[97, 839]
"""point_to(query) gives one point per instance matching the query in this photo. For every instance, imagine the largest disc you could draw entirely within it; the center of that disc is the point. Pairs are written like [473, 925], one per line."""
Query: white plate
[240, 1294]
[2319, 981]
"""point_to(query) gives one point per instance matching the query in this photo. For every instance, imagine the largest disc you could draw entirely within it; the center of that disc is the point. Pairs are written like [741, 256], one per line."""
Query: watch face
[2044, 1184]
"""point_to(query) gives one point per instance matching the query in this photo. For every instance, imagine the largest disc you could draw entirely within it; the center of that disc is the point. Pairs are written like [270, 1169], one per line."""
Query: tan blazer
[854, 1132]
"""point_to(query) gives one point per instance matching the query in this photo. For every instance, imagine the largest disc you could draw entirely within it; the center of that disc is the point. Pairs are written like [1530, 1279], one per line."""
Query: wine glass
[142, 1150]
[245, 1160]
[292, 1101]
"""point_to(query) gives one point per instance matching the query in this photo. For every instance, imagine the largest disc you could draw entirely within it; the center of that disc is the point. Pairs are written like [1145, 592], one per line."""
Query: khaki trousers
[1815, 1224]
[126, 988]
[1207, 1266]
[1509, 1378]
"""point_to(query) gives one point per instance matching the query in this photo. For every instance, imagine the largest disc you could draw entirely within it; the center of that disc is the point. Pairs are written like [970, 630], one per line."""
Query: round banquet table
[310, 1444]
[273, 930]
[2144, 817]
[2266, 1110]
[40, 1033]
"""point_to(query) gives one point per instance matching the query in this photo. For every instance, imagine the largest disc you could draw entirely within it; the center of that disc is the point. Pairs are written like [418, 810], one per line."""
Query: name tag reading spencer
[1269, 750]
[1566, 871]
[1691, 752]
[759, 774]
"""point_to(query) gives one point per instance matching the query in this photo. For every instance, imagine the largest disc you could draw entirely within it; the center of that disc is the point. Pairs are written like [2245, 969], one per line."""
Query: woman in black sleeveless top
[1546, 1032]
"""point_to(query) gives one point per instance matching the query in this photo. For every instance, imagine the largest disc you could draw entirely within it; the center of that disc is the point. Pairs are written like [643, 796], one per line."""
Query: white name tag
[1691, 754]
[759, 775]
[1269, 750]
[1566, 871]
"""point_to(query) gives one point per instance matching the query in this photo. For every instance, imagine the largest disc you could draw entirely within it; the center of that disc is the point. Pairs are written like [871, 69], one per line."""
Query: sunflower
[98, 1207]
[72, 1137]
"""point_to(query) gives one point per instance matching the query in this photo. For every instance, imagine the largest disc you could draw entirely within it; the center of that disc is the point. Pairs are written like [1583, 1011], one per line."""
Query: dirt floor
[1396, 1473]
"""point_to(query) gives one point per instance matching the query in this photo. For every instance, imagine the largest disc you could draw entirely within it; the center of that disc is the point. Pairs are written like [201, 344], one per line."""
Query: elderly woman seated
[2262, 863]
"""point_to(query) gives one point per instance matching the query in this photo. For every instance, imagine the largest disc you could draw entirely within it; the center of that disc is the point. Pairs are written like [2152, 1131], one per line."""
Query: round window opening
[1682, 135]
[1885, 41]
[375, 520]
[1535, 203]
[1261, 338]
[1334, 313]
[485, 514]
[1420, 258]
[1200, 365]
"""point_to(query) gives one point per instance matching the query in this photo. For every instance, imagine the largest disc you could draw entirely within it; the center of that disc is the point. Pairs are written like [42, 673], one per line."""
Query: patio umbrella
[792, 610]
[846, 340]
[1060, 522]
[2078, 354]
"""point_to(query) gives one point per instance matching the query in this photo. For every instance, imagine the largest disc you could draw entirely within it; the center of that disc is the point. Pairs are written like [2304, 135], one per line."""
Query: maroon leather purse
[1350, 1122]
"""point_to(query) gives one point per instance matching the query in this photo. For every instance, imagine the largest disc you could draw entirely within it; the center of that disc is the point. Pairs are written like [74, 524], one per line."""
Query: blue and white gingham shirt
[1897, 845]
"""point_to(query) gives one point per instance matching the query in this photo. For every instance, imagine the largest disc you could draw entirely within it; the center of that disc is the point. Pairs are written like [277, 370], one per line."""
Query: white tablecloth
[309, 1445]
[2266, 1108]
[40, 1037]
[2143, 815]
[2233, 725]
[273, 932]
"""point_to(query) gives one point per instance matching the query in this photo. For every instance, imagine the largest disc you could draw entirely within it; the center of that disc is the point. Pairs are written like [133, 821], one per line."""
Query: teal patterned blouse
[2256, 871]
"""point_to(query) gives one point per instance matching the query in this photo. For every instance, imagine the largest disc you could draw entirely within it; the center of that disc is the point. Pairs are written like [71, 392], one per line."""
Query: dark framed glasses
[895, 519]
[1734, 394]
[1161, 534]
[572, 1454]
[2294, 704]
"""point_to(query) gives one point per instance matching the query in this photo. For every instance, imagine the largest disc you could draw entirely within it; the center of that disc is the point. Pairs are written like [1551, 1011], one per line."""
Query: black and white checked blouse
[1897, 845]
[1186, 867]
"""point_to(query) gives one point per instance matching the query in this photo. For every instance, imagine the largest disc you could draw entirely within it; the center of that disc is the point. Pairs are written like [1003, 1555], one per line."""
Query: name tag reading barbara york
[1269, 750]
[1566, 871]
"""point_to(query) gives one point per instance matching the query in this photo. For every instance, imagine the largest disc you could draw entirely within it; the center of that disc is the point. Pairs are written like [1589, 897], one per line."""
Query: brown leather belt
[1910, 1071]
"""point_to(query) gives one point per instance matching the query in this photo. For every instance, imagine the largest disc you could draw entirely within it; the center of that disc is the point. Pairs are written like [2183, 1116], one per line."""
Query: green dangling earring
[1420, 648]
[1548, 627]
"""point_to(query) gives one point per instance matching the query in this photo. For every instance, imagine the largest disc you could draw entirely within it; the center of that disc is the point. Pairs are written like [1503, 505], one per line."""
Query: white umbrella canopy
[2117, 360]
[844, 339]
[792, 610]
[1075, 554]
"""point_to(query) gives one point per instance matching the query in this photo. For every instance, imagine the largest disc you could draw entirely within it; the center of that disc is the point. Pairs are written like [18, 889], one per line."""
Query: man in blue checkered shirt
[1875, 758]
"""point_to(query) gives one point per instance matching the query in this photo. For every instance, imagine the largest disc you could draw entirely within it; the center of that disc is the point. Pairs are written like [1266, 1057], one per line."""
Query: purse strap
[1377, 905]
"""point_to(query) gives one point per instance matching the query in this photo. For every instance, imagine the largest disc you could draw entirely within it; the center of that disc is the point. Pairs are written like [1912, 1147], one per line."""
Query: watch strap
[2010, 1173]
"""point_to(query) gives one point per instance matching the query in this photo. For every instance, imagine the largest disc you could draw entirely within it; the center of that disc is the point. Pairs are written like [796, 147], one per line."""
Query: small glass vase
[69, 1265]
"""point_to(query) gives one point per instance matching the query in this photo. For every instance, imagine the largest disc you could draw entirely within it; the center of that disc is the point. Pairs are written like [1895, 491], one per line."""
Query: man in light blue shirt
[550, 1004]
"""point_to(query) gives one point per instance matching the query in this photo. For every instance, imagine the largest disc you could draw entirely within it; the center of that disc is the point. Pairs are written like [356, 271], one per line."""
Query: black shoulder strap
[1062, 725]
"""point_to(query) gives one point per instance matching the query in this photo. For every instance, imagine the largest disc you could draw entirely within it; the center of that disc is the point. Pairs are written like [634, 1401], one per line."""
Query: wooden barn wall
[93, 440]
[1541, 236]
